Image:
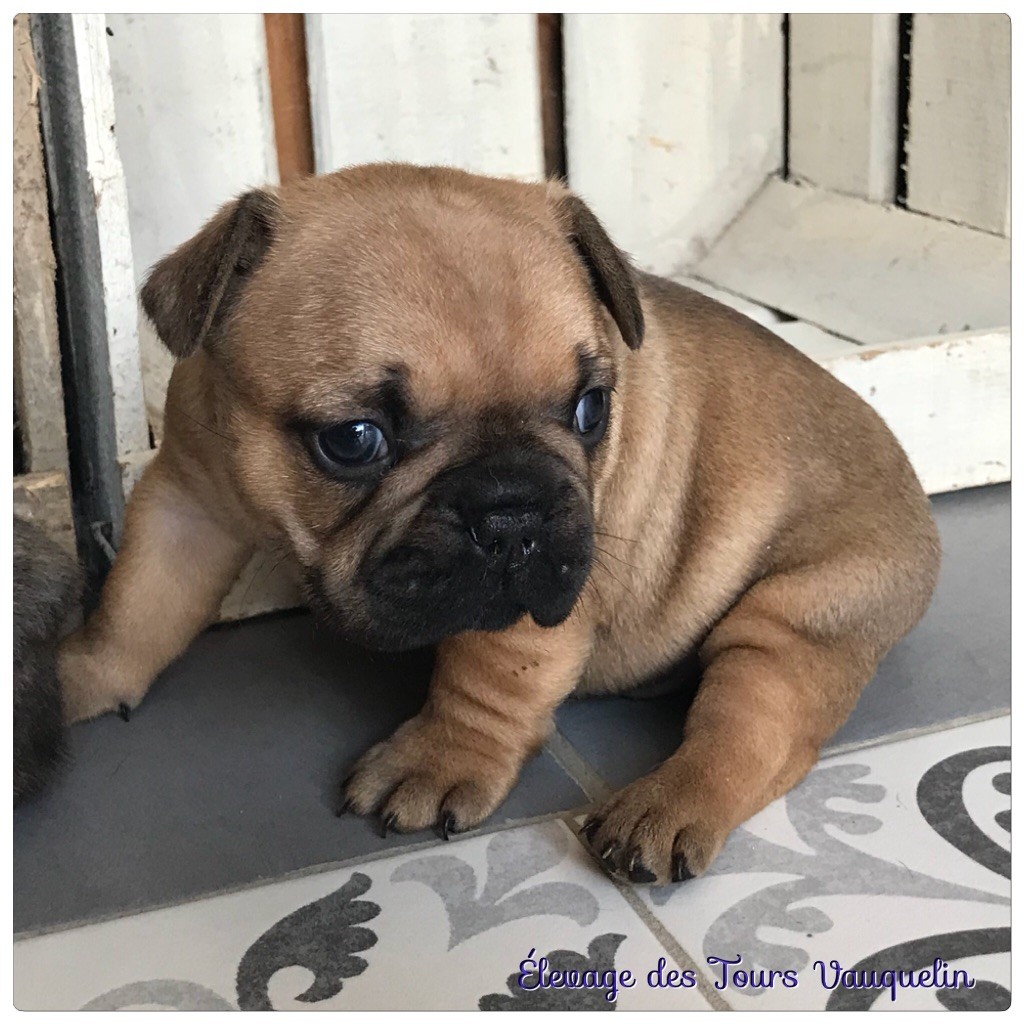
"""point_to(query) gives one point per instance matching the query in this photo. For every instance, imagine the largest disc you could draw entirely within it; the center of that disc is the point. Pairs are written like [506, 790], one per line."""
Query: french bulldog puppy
[476, 426]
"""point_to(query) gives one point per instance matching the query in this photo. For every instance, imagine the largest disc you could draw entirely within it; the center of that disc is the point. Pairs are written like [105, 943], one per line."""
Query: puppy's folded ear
[611, 275]
[190, 292]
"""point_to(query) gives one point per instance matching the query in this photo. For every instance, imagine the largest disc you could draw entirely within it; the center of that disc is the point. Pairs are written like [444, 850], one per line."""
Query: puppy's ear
[190, 292]
[610, 273]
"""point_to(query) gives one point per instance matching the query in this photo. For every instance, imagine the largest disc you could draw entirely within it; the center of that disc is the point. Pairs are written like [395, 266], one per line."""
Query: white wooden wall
[959, 144]
[843, 74]
[673, 125]
[459, 89]
[103, 159]
[193, 127]
[673, 122]
[844, 135]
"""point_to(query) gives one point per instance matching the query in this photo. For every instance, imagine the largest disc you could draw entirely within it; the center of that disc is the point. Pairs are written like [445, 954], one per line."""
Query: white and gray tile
[881, 859]
[443, 929]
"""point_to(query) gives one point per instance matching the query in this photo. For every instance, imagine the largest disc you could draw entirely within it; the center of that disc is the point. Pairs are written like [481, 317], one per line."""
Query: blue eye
[352, 445]
[591, 412]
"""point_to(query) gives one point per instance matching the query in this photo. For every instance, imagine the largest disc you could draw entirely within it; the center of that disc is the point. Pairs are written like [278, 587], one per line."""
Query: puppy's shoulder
[688, 315]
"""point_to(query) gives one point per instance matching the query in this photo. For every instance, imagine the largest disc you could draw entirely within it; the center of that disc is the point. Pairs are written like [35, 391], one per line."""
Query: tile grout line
[569, 759]
[662, 935]
[596, 789]
[672, 946]
[912, 733]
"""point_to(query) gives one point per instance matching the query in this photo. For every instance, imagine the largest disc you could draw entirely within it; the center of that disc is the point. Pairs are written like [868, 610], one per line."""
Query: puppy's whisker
[594, 589]
[609, 554]
[252, 580]
[276, 565]
[266, 575]
[612, 536]
[256, 574]
[200, 423]
[612, 576]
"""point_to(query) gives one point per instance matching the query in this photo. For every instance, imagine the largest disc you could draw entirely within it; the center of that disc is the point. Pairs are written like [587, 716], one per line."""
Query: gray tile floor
[226, 775]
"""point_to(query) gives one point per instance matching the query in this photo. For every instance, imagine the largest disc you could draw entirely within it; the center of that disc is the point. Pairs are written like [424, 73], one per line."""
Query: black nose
[508, 531]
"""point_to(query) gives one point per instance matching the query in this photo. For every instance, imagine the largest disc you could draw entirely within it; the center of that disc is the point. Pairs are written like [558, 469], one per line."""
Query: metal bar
[96, 495]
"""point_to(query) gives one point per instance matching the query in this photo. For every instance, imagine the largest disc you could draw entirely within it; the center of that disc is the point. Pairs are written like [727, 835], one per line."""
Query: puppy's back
[782, 437]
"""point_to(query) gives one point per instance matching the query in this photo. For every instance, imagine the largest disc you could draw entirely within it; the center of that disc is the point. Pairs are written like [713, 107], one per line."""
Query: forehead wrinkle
[474, 374]
[473, 300]
[451, 261]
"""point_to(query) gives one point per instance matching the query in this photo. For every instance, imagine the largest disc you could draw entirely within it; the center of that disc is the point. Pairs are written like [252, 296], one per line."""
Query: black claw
[608, 854]
[680, 870]
[590, 827]
[448, 826]
[346, 806]
[387, 823]
[124, 712]
[640, 872]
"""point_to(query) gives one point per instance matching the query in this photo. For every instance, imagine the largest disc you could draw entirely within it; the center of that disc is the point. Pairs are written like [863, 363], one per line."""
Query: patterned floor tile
[883, 859]
[437, 929]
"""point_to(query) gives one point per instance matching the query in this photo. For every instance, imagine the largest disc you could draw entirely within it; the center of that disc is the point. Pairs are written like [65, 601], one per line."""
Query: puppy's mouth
[488, 585]
[417, 597]
[491, 547]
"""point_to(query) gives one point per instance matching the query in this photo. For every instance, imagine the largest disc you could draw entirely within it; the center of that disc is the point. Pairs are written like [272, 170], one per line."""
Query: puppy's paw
[656, 831]
[88, 688]
[418, 779]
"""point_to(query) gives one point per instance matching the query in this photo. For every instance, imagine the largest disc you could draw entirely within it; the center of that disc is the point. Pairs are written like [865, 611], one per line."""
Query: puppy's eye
[591, 414]
[352, 445]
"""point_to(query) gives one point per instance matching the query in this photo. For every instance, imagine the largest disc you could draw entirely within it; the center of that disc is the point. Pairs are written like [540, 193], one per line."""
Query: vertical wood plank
[194, 128]
[958, 147]
[462, 90]
[843, 77]
[103, 164]
[552, 93]
[673, 122]
[39, 401]
[289, 93]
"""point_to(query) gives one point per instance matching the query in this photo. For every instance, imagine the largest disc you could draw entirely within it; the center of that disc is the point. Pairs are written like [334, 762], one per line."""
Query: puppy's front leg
[489, 709]
[176, 562]
[772, 692]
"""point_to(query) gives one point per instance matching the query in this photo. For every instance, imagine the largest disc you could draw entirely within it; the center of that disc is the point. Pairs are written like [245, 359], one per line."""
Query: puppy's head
[417, 370]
